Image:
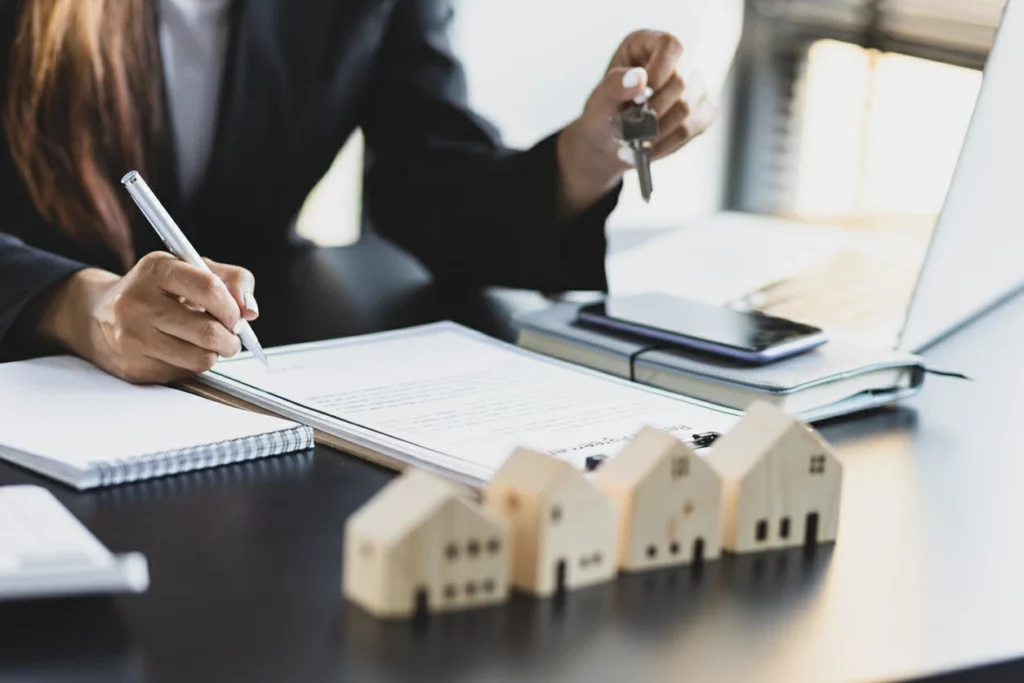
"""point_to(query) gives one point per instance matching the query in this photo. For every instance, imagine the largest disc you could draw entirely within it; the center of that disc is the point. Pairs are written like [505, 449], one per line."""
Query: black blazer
[300, 76]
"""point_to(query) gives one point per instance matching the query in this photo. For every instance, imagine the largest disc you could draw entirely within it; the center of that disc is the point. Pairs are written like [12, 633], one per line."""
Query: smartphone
[752, 338]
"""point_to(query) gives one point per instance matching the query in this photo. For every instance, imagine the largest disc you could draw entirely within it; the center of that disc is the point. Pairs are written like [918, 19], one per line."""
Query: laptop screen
[976, 257]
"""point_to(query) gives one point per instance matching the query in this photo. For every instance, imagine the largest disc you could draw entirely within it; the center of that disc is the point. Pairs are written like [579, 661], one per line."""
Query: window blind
[957, 31]
[778, 36]
[820, 15]
[962, 25]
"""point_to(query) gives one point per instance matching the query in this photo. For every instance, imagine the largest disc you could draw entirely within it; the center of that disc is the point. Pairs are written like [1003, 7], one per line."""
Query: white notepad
[66, 419]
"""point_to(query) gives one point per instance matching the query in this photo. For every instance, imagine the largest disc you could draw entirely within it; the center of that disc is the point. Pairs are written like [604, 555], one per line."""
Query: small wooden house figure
[669, 502]
[562, 530]
[421, 545]
[782, 482]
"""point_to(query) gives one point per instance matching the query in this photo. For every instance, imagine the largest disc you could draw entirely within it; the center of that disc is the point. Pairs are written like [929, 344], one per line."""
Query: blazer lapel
[162, 159]
[253, 120]
[290, 96]
[227, 84]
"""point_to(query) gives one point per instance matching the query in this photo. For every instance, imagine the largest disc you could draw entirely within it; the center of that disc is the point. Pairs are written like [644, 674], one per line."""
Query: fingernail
[627, 155]
[633, 77]
[238, 327]
[250, 302]
[643, 97]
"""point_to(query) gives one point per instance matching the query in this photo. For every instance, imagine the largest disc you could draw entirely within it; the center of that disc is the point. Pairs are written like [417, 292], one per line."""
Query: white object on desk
[69, 420]
[724, 257]
[979, 231]
[46, 552]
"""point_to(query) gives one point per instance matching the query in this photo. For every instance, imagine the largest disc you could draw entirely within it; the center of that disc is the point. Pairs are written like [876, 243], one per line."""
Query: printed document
[448, 391]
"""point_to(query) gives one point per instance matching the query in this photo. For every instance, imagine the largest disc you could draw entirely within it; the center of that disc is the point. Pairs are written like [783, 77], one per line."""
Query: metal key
[638, 126]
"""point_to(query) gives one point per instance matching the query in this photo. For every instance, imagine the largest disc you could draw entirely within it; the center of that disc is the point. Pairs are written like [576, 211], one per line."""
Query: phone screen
[682, 320]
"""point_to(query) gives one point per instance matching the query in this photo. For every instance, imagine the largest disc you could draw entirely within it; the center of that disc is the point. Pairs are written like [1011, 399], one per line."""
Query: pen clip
[704, 440]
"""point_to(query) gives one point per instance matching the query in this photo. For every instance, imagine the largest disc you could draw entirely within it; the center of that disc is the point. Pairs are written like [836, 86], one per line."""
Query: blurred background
[846, 113]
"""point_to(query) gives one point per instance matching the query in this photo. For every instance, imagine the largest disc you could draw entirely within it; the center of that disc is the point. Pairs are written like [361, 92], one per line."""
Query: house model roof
[639, 457]
[403, 505]
[761, 428]
[531, 472]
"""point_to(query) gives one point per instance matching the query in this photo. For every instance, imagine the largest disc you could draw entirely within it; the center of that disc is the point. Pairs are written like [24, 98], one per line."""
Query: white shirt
[193, 42]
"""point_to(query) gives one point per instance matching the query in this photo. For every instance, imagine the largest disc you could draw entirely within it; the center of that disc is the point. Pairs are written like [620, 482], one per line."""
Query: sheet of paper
[444, 388]
[723, 258]
[70, 412]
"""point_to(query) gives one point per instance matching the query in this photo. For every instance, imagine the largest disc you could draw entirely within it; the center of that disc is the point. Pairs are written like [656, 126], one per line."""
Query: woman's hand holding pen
[163, 321]
[591, 157]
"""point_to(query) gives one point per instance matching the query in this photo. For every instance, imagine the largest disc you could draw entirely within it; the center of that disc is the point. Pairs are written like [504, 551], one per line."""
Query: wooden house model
[782, 482]
[669, 502]
[562, 530]
[421, 545]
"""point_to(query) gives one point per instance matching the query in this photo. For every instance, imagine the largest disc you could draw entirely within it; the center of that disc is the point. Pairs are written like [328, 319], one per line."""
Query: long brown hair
[83, 107]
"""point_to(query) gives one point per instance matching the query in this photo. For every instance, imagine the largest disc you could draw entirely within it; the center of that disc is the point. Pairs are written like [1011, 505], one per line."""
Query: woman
[233, 110]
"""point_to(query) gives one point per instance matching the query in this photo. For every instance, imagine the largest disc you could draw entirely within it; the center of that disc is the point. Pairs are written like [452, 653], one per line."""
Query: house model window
[681, 467]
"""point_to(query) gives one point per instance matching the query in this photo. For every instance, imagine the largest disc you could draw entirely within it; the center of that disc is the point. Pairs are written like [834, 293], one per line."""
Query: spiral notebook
[66, 419]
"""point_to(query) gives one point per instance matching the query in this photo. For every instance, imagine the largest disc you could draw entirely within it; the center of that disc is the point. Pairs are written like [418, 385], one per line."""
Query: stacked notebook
[837, 379]
[68, 420]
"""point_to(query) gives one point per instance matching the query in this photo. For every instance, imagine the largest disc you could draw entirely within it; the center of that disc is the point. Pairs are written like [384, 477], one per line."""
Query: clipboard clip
[697, 441]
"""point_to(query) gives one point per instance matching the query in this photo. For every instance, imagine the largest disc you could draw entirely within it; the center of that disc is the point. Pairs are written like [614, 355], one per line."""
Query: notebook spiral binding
[280, 468]
[128, 470]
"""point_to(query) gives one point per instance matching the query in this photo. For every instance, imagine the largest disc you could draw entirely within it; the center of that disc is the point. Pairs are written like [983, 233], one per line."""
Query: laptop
[976, 259]
[870, 284]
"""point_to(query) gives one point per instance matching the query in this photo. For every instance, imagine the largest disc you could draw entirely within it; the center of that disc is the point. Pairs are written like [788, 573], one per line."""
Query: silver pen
[178, 244]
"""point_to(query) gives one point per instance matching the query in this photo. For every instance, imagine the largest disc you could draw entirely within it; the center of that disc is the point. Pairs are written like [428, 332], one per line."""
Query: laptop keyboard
[862, 293]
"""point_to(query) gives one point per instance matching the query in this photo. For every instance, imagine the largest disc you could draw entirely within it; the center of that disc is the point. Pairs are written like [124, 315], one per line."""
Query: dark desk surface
[927, 576]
